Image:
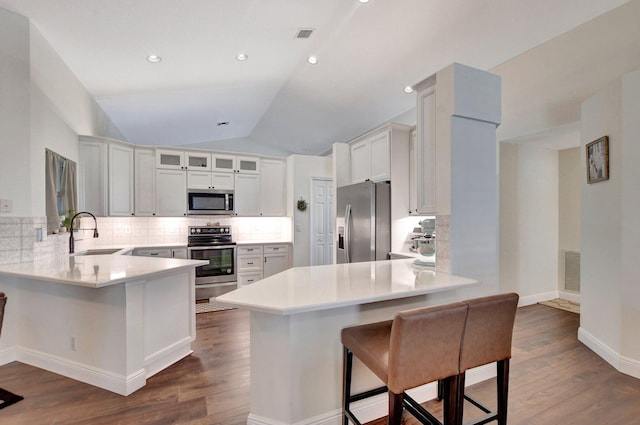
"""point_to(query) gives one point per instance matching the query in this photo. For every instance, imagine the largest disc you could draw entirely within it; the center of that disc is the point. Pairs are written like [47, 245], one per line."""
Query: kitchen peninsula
[296, 317]
[108, 320]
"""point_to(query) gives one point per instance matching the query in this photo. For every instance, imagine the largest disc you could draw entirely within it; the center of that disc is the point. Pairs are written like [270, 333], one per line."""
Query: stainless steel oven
[215, 245]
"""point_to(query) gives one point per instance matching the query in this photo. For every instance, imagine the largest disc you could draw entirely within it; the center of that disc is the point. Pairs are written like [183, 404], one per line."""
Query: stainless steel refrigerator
[363, 222]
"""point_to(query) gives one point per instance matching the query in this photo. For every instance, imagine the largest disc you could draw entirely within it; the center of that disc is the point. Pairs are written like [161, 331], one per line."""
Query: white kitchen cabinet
[93, 175]
[413, 173]
[426, 151]
[380, 157]
[222, 181]
[360, 163]
[121, 179]
[152, 252]
[245, 279]
[276, 259]
[222, 162]
[200, 161]
[247, 194]
[171, 193]
[248, 164]
[199, 179]
[257, 262]
[273, 185]
[163, 252]
[179, 253]
[249, 263]
[170, 159]
[209, 180]
[370, 157]
[144, 182]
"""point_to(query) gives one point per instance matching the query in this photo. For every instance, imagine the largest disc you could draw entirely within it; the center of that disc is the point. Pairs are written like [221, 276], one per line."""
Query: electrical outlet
[74, 343]
[6, 205]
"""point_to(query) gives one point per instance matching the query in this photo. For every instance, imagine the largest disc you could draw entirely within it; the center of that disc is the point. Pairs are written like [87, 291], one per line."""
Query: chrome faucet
[95, 229]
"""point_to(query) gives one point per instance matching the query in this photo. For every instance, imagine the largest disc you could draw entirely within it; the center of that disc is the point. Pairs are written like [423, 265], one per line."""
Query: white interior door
[321, 222]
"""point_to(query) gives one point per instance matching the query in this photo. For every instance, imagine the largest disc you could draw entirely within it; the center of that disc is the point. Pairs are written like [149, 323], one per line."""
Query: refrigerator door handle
[347, 233]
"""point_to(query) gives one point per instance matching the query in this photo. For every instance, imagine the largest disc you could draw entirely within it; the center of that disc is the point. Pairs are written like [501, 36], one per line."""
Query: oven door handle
[218, 285]
[202, 248]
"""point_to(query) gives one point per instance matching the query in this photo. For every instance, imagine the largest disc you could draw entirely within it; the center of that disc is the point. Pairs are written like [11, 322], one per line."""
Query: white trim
[536, 298]
[570, 296]
[623, 364]
[7, 355]
[376, 407]
[120, 384]
[164, 358]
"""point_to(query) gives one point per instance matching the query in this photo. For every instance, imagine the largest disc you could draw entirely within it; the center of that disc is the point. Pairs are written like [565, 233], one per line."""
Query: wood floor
[554, 380]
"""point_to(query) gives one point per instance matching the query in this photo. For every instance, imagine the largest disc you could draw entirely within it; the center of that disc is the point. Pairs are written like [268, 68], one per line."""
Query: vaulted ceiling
[275, 102]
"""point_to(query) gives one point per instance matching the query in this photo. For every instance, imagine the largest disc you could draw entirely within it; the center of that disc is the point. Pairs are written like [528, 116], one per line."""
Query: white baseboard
[376, 407]
[570, 296]
[536, 298]
[164, 358]
[120, 384]
[622, 364]
[7, 355]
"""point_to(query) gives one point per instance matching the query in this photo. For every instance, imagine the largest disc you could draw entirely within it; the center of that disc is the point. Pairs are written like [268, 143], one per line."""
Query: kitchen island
[295, 320]
[108, 320]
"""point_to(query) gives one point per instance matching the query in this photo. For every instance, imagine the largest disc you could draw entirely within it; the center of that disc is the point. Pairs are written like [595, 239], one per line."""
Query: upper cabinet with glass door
[198, 161]
[170, 159]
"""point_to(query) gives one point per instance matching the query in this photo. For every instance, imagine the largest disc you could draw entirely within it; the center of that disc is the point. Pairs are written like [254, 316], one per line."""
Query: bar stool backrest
[425, 345]
[489, 330]
[3, 301]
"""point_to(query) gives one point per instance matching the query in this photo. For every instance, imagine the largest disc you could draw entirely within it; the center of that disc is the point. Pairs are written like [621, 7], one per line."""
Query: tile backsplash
[18, 235]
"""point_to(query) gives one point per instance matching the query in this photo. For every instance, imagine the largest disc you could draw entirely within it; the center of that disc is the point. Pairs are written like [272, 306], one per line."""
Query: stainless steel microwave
[209, 202]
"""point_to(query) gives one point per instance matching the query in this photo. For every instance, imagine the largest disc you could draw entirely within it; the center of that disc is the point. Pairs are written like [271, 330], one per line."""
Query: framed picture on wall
[598, 160]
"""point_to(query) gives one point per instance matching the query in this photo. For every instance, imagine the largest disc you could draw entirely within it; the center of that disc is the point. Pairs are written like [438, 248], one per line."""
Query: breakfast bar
[108, 320]
[296, 317]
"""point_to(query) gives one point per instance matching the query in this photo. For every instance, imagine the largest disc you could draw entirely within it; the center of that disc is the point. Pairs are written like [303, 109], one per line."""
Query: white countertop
[303, 289]
[95, 271]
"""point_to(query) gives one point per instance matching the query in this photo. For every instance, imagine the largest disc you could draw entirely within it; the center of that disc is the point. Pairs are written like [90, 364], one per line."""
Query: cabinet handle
[251, 264]
[265, 259]
[153, 254]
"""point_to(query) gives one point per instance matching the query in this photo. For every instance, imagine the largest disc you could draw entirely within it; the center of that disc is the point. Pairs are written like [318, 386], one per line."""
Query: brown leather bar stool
[487, 339]
[416, 347]
[7, 398]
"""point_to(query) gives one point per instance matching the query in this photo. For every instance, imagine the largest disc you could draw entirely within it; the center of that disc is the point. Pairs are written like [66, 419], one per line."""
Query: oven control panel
[209, 230]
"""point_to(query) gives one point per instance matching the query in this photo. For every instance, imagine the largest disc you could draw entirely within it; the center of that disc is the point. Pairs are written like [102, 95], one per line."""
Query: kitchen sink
[99, 251]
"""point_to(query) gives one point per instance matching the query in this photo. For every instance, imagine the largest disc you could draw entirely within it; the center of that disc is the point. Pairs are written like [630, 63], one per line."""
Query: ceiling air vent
[304, 33]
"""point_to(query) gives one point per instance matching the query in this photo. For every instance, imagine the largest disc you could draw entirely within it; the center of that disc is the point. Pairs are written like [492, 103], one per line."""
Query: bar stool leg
[395, 408]
[459, 398]
[347, 364]
[503, 390]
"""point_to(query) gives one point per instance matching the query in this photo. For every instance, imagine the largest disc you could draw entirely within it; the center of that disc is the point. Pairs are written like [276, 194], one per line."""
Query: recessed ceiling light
[408, 89]
[242, 57]
[312, 60]
[363, 1]
[154, 58]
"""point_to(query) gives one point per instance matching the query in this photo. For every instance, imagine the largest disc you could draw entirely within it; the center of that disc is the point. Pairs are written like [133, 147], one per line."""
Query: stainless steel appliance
[209, 202]
[363, 222]
[215, 245]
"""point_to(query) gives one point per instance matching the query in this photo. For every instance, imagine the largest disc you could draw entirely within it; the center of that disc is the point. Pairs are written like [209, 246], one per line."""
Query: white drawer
[153, 252]
[250, 262]
[276, 248]
[245, 279]
[249, 249]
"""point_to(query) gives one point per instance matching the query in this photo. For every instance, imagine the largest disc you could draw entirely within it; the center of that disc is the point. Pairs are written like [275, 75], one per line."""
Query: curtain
[51, 187]
[68, 186]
